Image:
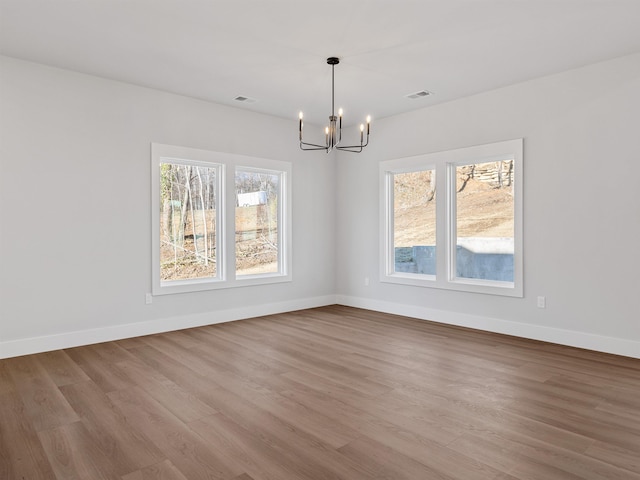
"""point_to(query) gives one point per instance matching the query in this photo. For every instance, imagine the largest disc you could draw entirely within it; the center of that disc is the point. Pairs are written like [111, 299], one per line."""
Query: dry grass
[483, 210]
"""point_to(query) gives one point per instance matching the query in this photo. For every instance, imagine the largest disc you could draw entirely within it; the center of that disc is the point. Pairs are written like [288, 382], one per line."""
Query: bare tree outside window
[187, 221]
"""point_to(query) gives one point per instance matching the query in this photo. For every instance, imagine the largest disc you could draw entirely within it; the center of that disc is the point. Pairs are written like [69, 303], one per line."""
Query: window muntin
[452, 230]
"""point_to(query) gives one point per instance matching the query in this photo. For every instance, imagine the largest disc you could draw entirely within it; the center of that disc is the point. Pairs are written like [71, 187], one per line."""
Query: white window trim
[444, 164]
[225, 218]
[284, 227]
[405, 165]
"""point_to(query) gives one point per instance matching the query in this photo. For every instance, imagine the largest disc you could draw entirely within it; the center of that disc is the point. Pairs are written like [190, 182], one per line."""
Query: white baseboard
[599, 343]
[26, 346]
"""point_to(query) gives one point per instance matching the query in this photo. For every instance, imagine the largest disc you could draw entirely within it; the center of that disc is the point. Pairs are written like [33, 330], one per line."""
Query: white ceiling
[275, 50]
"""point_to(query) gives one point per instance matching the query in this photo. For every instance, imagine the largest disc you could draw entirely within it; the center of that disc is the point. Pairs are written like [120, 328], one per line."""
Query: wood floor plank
[21, 453]
[288, 454]
[168, 366]
[244, 476]
[323, 460]
[254, 455]
[597, 365]
[385, 462]
[75, 455]
[511, 451]
[613, 455]
[316, 424]
[112, 352]
[44, 404]
[418, 438]
[331, 392]
[7, 385]
[127, 448]
[164, 470]
[366, 415]
[186, 450]
[61, 369]
[102, 371]
[235, 358]
[299, 359]
[185, 354]
[613, 396]
[129, 343]
[462, 416]
[179, 401]
[595, 424]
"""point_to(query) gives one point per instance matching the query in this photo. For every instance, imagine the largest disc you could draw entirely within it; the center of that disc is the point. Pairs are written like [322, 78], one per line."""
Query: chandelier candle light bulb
[300, 126]
[333, 133]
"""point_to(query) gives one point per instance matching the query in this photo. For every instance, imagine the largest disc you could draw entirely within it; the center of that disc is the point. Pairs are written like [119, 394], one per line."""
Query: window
[414, 222]
[484, 229]
[188, 220]
[257, 240]
[471, 238]
[218, 220]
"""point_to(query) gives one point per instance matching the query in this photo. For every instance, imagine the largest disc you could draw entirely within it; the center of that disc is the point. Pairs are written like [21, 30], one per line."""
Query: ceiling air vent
[243, 99]
[420, 94]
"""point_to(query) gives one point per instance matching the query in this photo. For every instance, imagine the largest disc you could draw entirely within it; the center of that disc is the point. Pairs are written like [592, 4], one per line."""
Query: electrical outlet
[148, 299]
[542, 302]
[366, 281]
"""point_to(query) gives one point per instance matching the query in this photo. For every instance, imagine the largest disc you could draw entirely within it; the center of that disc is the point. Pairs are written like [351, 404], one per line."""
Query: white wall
[75, 244]
[581, 204]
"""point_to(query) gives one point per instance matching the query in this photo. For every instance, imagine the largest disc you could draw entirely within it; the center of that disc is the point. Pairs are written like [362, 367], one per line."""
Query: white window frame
[406, 165]
[445, 164]
[225, 218]
[284, 237]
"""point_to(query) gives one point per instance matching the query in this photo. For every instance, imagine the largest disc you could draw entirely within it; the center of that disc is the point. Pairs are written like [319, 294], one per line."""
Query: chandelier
[333, 132]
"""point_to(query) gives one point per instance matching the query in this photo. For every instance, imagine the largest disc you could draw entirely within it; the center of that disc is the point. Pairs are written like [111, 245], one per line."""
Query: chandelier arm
[352, 148]
[361, 146]
[312, 145]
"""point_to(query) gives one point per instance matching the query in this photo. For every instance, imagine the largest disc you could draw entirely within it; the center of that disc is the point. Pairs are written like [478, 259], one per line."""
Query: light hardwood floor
[326, 393]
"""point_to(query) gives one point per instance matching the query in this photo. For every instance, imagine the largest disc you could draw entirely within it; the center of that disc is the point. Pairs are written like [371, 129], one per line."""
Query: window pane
[257, 246]
[485, 221]
[187, 222]
[414, 222]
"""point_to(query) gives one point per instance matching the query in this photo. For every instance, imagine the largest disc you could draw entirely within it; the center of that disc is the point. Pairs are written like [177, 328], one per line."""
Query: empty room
[292, 240]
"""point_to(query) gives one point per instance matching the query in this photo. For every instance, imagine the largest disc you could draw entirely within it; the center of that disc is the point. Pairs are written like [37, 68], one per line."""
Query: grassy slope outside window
[475, 242]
